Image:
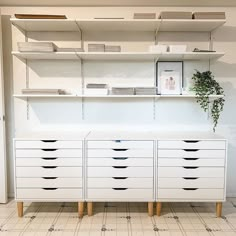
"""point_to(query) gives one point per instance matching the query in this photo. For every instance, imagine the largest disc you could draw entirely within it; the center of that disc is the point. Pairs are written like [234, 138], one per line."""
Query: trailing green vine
[205, 85]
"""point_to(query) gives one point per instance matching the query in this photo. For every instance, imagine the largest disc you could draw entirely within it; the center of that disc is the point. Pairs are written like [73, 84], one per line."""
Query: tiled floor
[118, 219]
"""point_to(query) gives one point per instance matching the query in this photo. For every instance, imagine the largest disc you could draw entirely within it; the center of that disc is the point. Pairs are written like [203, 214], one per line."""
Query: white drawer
[120, 182]
[192, 144]
[120, 172]
[199, 153]
[217, 172]
[191, 194]
[47, 144]
[49, 161]
[120, 161]
[190, 162]
[49, 193]
[120, 144]
[49, 153]
[119, 194]
[49, 182]
[188, 182]
[120, 152]
[48, 172]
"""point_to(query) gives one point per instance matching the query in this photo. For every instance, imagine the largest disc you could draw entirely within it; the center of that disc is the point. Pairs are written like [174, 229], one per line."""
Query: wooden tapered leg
[90, 208]
[20, 209]
[81, 209]
[150, 208]
[218, 209]
[159, 208]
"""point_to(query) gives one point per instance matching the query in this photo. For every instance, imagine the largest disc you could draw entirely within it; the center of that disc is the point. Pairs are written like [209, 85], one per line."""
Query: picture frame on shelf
[169, 77]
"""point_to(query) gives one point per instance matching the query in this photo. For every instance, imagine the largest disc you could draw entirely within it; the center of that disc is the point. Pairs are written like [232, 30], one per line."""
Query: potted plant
[205, 85]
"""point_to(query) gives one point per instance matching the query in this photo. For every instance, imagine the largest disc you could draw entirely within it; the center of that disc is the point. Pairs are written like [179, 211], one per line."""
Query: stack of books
[43, 91]
[36, 47]
[175, 15]
[96, 89]
[112, 48]
[96, 47]
[122, 91]
[145, 90]
[144, 15]
[209, 15]
[70, 50]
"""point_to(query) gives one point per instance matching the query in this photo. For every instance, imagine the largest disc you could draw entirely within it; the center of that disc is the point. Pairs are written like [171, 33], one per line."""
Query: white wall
[163, 114]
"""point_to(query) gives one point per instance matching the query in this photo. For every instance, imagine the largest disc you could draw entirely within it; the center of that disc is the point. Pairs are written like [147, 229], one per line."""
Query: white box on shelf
[159, 48]
[177, 48]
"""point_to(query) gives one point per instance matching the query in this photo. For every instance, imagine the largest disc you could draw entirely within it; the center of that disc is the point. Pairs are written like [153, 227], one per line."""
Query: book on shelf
[122, 91]
[92, 47]
[144, 15]
[209, 15]
[96, 86]
[39, 16]
[43, 91]
[69, 49]
[36, 47]
[145, 90]
[175, 15]
[112, 48]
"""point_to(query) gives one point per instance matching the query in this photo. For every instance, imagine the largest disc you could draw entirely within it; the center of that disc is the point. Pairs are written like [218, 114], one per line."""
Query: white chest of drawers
[48, 170]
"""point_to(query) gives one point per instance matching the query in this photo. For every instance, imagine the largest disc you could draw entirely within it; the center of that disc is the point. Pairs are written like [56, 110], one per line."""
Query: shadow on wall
[221, 32]
[8, 90]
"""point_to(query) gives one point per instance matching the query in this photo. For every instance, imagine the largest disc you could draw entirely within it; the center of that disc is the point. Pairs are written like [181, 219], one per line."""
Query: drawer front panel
[128, 194]
[47, 161]
[217, 172]
[49, 194]
[120, 152]
[49, 153]
[120, 144]
[120, 172]
[38, 144]
[49, 182]
[201, 194]
[120, 183]
[120, 161]
[188, 182]
[48, 172]
[188, 144]
[190, 162]
[191, 153]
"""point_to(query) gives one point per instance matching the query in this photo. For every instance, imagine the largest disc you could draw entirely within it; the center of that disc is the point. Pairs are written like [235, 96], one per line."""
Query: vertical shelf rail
[27, 79]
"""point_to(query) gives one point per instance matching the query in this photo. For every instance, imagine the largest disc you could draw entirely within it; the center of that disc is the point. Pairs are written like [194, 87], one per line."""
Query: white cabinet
[191, 170]
[49, 170]
[120, 170]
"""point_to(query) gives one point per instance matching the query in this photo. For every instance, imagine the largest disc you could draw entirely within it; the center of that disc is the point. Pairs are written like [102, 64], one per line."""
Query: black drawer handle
[191, 150]
[191, 141]
[120, 167]
[190, 167]
[190, 189]
[119, 177]
[120, 150]
[190, 178]
[120, 158]
[49, 167]
[49, 141]
[49, 158]
[119, 188]
[48, 150]
[190, 159]
[117, 141]
[49, 188]
[49, 177]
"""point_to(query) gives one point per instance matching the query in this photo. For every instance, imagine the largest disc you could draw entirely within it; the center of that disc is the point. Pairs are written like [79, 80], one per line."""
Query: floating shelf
[142, 56]
[153, 25]
[25, 96]
[45, 24]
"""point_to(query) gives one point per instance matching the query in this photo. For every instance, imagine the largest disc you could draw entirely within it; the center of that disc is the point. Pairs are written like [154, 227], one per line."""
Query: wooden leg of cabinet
[20, 209]
[90, 208]
[218, 209]
[81, 209]
[150, 208]
[159, 205]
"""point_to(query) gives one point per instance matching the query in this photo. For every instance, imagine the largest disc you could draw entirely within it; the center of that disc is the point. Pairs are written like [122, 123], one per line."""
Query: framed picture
[169, 77]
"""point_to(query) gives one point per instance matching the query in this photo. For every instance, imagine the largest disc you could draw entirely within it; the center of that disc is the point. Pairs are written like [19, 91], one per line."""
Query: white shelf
[45, 24]
[25, 96]
[117, 24]
[190, 25]
[46, 55]
[118, 56]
